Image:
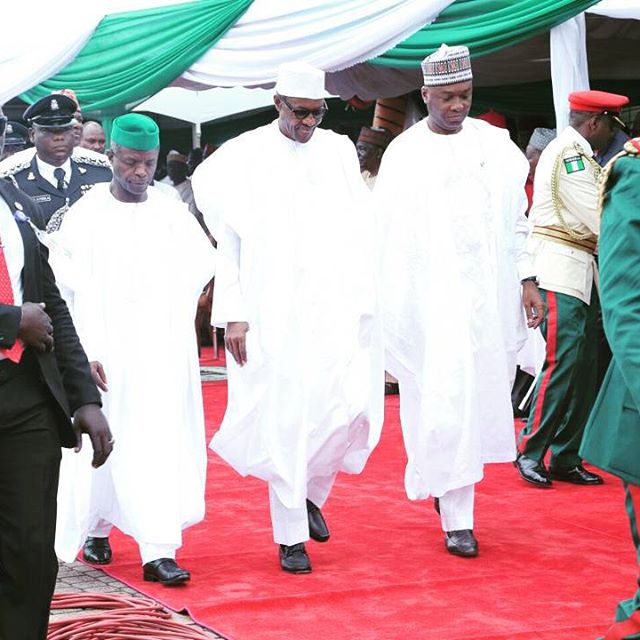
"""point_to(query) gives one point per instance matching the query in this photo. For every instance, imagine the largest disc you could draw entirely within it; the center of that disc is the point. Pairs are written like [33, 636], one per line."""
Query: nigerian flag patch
[573, 164]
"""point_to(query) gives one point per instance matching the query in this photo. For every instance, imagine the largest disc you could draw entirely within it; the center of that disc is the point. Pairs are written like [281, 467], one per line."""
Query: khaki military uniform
[563, 242]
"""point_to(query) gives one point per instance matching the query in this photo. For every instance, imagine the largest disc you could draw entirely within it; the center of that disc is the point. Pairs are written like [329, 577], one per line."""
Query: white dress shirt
[46, 171]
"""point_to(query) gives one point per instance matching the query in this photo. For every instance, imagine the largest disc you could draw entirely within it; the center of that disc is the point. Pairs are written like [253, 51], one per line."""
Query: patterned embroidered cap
[448, 65]
[541, 137]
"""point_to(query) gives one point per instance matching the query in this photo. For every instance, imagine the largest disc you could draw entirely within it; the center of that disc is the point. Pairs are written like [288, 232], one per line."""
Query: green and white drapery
[119, 58]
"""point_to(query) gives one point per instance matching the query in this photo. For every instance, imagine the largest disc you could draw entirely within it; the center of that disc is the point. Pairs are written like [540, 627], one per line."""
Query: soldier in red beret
[565, 233]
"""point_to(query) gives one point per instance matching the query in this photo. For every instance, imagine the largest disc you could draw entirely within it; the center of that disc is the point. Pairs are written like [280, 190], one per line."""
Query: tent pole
[196, 135]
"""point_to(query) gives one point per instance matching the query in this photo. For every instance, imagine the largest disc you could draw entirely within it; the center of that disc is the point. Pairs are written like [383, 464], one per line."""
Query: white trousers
[148, 550]
[291, 526]
[456, 509]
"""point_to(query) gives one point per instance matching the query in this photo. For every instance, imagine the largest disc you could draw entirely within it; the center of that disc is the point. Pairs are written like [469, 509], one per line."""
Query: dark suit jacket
[65, 370]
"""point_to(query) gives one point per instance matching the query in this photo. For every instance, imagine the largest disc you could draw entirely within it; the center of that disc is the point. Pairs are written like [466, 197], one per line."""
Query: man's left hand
[90, 419]
[533, 304]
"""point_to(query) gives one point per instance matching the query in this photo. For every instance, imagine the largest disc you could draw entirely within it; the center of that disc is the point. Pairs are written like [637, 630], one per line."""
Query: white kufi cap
[300, 80]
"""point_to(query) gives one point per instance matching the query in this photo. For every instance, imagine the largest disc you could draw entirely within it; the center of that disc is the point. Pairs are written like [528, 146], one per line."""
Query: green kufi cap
[135, 131]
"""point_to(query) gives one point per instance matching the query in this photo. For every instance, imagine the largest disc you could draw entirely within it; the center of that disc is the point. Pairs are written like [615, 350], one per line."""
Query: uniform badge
[573, 164]
[30, 176]
[41, 198]
[54, 105]
[82, 170]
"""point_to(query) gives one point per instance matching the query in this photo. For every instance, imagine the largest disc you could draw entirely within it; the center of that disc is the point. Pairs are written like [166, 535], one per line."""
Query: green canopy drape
[133, 55]
[484, 26]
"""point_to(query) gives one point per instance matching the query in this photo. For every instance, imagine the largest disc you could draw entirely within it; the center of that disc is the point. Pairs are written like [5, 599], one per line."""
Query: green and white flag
[573, 164]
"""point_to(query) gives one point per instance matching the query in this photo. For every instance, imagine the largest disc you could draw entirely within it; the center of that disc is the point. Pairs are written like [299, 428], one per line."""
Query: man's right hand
[235, 341]
[36, 329]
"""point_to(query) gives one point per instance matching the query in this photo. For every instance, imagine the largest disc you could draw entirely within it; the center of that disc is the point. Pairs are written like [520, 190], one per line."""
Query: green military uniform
[612, 436]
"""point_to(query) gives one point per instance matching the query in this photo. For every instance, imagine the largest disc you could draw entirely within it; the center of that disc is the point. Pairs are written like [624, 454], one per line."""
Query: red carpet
[553, 564]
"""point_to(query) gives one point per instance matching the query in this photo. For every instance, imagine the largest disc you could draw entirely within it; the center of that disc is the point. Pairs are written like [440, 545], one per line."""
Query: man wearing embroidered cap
[119, 251]
[450, 193]
[51, 176]
[563, 243]
[294, 290]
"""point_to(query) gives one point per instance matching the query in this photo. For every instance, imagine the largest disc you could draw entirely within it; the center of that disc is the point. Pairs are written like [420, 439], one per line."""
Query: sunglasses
[302, 114]
[3, 124]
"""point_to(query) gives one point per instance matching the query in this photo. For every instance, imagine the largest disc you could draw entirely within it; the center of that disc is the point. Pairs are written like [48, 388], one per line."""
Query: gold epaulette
[555, 187]
[631, 148]
[11, 171]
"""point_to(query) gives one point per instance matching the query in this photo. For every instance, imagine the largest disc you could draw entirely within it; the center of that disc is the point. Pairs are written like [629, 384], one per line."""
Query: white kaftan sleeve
[228, 304]
[523, 255]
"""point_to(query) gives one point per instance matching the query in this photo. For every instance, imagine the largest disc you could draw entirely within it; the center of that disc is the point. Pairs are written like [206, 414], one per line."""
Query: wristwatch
[533, 279]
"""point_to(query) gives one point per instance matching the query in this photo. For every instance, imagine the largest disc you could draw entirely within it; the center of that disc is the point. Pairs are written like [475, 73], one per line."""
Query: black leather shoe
[461, 543]
[294, 559]
[165, 571]
[576, 475]
[532, 471]
[97, 551]
[318, 529]
[391, 389]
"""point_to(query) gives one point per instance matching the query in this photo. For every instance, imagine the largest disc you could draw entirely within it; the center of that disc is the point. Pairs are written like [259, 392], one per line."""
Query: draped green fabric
[484, 26]
[135, 54]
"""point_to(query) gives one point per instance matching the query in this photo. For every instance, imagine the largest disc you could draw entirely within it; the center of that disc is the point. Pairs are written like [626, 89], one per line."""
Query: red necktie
[6, 297]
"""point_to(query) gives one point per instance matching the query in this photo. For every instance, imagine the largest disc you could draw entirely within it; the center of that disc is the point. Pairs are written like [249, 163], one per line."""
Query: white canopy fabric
[53, 40]
[629, 9]
[329, 34]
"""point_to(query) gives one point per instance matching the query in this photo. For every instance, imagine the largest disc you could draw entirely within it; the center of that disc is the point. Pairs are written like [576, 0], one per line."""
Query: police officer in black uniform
[53, 178]
[17, 139]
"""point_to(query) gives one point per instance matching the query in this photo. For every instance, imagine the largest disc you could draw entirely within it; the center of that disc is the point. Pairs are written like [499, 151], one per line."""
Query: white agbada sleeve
[228, 304]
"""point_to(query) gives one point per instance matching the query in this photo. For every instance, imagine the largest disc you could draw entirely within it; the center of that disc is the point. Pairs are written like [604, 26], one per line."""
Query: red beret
[597, 101]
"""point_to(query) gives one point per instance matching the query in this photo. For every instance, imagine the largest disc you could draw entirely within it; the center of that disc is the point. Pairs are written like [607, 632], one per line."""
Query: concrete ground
[80, 578]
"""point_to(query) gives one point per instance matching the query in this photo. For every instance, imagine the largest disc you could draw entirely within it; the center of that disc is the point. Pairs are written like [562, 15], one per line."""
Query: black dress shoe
[532, 471]
[391, 389]
[97, 551]
[318, 529]
[165, 571]
[576, 475]
[461, 543]
[294, 559]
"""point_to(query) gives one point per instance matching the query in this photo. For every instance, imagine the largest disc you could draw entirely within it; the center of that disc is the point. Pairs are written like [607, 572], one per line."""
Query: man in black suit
[40, 388]
[53, 178]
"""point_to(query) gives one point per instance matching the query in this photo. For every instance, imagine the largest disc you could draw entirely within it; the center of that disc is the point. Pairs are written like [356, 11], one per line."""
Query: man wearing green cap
[121, 251]
[612, 436]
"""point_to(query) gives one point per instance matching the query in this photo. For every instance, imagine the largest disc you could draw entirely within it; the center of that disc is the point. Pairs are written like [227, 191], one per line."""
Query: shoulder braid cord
[631, 148]
[555, 194]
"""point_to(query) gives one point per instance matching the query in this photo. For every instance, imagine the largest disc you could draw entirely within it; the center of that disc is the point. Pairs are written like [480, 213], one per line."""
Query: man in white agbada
[134, 262]
[450, 195]
[294, 288]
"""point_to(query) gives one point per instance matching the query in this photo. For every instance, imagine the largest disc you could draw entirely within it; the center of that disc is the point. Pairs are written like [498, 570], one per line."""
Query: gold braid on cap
[555, 189]
[630, 148]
